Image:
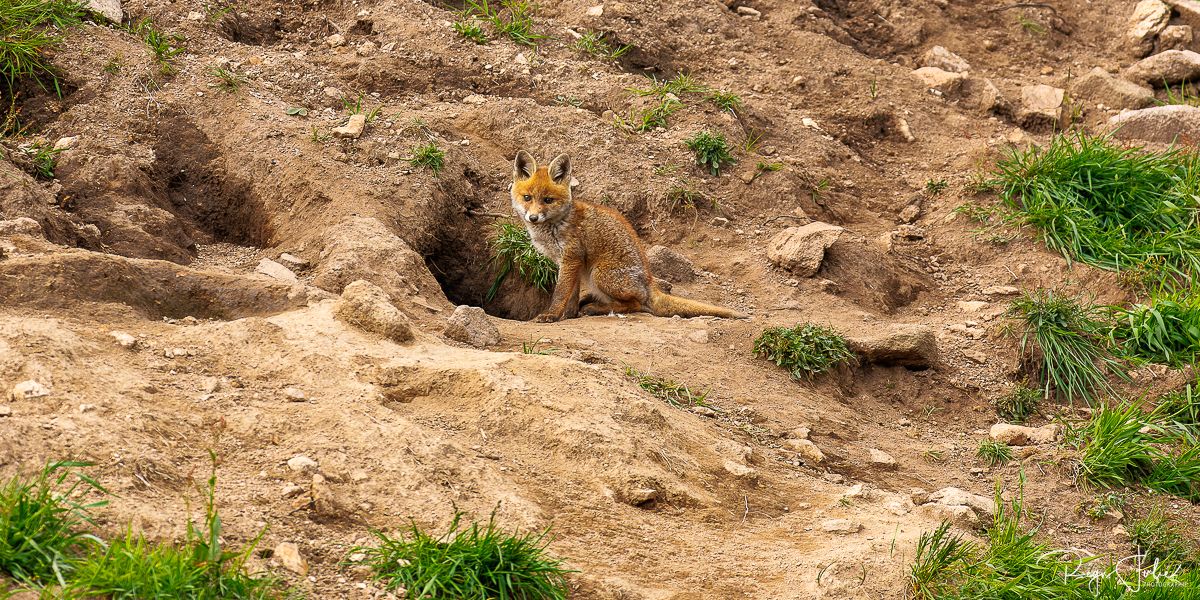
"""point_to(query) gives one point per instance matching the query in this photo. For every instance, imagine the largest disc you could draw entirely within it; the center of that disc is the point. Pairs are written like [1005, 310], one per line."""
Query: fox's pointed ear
[524, 166]
[560, 169]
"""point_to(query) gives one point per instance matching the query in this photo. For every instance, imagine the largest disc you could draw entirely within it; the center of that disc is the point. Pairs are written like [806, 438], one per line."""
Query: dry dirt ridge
[134, 290]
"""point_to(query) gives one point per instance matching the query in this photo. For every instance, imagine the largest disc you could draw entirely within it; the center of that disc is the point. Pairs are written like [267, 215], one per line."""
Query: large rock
[941, 58]
[275, 270]
[364, 248]
[21, 226]
[801, 249]
[945, 82]
[1019, 435]
[1189, 11]
[1161, 124]
[1165, 68]
[28, 390]
[1041, 107]
[953, 496]
[109, 9]
[670, 265]
[912, 346]
[470, 325]
[1176, 37]
[1099, 87]
[366, 306]
[1149, 18]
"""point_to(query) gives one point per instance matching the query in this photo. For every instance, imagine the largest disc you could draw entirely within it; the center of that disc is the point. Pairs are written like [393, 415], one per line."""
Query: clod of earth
[366, 306]
[471, 325]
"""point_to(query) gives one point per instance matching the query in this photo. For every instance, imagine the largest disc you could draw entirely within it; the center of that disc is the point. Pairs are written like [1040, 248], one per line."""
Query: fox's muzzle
[532, 218]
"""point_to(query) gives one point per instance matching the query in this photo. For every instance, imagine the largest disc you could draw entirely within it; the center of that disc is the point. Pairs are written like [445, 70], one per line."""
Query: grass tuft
[512, 19]
[1112, 207]
[595, 44]
[476, 562]
[672, 392]
[1157, 540]
[649, 118]
[29, 29]
[428, 156]
[468, 26]
[725, 101]
[43, 158]
[41, 521]
[1062, 342]
[512, 248]
[1165, 331]
[941, 557]
[711, 149]
[804, 350]
[1020, 403]
[994, 453]
[164, 46]
[228, 80]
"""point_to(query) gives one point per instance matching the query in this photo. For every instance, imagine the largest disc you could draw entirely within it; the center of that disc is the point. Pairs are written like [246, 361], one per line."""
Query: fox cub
[602, 267]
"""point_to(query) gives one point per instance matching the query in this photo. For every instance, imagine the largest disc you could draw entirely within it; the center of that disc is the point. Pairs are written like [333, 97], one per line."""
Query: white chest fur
[548, 239]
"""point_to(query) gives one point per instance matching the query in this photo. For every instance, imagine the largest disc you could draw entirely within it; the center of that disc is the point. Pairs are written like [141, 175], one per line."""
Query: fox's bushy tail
[663, 304]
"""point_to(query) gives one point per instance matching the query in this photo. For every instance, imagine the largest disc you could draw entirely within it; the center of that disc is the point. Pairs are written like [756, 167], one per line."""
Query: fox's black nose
[533, 218]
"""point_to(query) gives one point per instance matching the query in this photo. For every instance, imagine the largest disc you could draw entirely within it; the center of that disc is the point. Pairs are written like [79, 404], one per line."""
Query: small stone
[474, 99]
[194, 15]
[366, 48]
[945, 82]
[109, 9]
[367, 307]
[388, 47]
[332, 92]
[670, 265]
[21, 226]
[737, 469]
[747, 11]
[840, 526]
[595, 11]
[882, 460]
[66, 143]
[294, 394]
[335, 40]
[291, 490]
[1176, 37]
[471, 325]
[1099, 87]
[910, 213]
[1019, 435]
[802, 249]
[302, 463]
[705, 411]
[976, 356]
[1161, 124]
[952, 496]
[940, 58]
[28, 390]
[293, 262]
[700, 336]
[1165, 68]
[87, 408]
[808, 451]
[1120, 532]
[288, 555]
[353, 128]
[908, 345]
[1149, 18]
[124, 340]
[275, 270]
[1000, 290]
[971, 306]
[1041, 107]
[5, 410]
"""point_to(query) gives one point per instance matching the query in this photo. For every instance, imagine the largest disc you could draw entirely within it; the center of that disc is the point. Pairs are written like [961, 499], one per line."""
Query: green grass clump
[199, 568]
[43, 158]
[226, 79]
[649, 118]
[1165, 331]
[164, 46]
[428, 156]
[468, 27]
[595, 44]
[1020, 403]
[711, 149]
[1112, 207]
[29, 29]
[512, 248]
[672, 392]
[1157, 540]
[1181, 408]
[679, 85]
[512, 19]
[1062, 340]
[994, 453]
[726, 101]
[41, 522]
[804, 350]
[478, 562]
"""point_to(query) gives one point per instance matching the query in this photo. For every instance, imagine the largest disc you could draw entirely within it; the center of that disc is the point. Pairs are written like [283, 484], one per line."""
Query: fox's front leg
[564, 304]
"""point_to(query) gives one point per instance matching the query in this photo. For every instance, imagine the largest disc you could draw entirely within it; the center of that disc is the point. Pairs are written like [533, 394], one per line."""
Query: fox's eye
[547, 200]
[528, 197]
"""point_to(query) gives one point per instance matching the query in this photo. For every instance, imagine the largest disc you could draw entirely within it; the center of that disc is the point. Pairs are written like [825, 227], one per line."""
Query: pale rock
[700, 336]
[952, 496]
[747, 11]
[302, 463]
[1120, 532]
[737, 469]
[367, 307]
[66, 143]
[910, 213]
[366, 48]
[1000, 290]
[801, 249]
[109, 9]
[1176, 37]
[1019, 435]
[353, 128]
[945, 82]
[288, 555]
[961, 516]
[808, 451]
[28, 390]
[292, 261]
[1169, 67]
[474, 99]
[1149, 18]
[971, 306]
[471, 325]
[882, 460]
[976, 356]
[941, 58]
[1099, 87]
[840, 526]
[1041, 107]
[335, 40]
[5, 410]
[294, 394]
[595, 11]
[908, 345]
[275, 270]
[21, 226]
[124, 339]
[1161, 124]
[670, 265]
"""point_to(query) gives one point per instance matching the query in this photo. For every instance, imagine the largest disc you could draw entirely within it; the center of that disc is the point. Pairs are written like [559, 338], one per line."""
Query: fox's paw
[546, 318]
